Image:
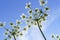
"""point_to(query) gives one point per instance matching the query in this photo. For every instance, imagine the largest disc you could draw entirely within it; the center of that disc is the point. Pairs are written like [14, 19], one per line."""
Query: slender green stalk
[14, 37]
[41, 31]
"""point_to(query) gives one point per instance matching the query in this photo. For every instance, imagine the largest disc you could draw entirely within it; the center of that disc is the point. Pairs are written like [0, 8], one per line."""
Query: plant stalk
[41, 31]
[14, 37]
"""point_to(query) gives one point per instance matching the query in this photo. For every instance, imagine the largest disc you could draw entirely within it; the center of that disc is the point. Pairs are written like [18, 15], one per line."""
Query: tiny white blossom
[28, 5]
[18, 21]
[46, 8]
[42, 2]
[36, 10]
[2, 24]
[23, 16]
[30, 11]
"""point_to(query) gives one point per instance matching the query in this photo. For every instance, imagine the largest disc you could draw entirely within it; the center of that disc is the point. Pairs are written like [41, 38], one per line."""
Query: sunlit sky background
[10, 10]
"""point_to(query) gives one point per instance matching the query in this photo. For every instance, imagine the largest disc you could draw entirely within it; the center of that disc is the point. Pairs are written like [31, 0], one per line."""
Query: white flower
[46, 8]
[23, 16]
[28, 5]
[36, 10]
[2, 24]
[42, 2]
[30, 11]
[18, 21]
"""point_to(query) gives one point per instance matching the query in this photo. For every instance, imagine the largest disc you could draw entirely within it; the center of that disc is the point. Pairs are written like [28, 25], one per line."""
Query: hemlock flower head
[25, 29]
[18, 21]
[36, 17]
[30, 17]
[57, 36]
[21, 34]
[11, 24]
[52, 36]
[23, 16]
[30, 11]
[46, 8]
[6, 32]
[36, 9]
[27, 20]
[2, 24]
[28, 5]
[29, 26]
[42, 2]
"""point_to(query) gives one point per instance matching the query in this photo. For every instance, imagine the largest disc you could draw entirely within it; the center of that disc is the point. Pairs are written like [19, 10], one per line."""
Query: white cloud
[35, 34]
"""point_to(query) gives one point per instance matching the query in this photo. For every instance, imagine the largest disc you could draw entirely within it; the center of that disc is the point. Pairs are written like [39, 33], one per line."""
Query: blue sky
[10, 10]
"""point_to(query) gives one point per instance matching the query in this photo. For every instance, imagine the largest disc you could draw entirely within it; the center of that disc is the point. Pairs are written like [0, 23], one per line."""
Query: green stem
[41, 31]
[14, 37]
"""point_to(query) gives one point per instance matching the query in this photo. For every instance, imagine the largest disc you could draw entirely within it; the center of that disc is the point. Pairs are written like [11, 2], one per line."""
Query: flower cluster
[36, 14]
[15, 30]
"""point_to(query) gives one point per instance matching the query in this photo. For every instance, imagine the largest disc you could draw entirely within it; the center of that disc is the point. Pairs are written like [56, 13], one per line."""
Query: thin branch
[14, 37]
[41, 31]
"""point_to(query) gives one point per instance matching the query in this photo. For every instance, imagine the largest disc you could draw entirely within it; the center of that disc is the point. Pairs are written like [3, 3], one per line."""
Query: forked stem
[41, 31]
